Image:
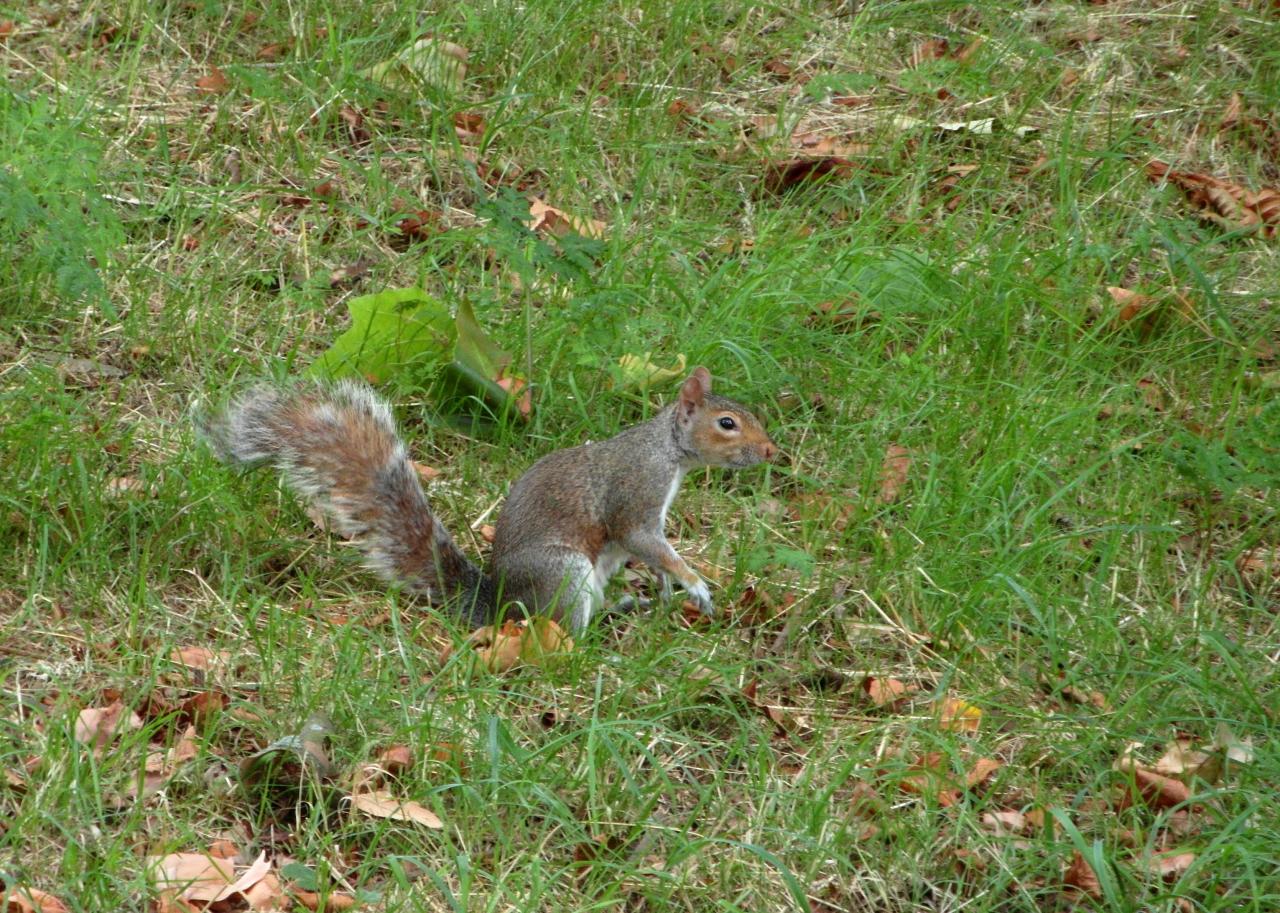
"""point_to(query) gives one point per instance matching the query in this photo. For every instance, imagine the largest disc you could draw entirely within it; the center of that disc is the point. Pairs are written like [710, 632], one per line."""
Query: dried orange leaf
[96, 726]
[1081, 877]
[381, 804]
[1169, 866]
[29, 900]
[884, 691]
[982, 770]
[1129, 303]
[894, 470]
[1157, 790]
[213, 82]
[201, 658]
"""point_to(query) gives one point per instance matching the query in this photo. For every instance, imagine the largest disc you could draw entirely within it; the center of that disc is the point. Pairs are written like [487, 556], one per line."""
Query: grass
[1086, 505]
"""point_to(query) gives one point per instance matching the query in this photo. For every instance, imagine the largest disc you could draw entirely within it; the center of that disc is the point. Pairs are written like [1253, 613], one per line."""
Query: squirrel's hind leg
[556, 581]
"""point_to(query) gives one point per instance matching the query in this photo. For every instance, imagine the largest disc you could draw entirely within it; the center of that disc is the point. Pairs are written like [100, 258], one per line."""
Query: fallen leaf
[981, 771]
[330, 903]
[547, 219]
[429, 61]
[349, 274]
[425, 473]
[267, 894]
[1223, 202]
[1168, 866]
[201, 658]
[639, 371]
[1080, 876]
[780, 177]
[381, 804]
[213, 82]
[894, 470]
[469, 126]
[396, 759]
[196, 876]
[779, 68]
[1005, 821]
[955, 715]
[353, 120]
[534, 641]
[1183, 761]
[96, 726]
[1157, 790]
[886, 691]
[929, 49]
[274, 51]
[842, 316]
[30, 900]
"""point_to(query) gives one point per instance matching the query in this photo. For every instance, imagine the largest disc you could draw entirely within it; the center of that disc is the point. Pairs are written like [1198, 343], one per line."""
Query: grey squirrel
[567, 525]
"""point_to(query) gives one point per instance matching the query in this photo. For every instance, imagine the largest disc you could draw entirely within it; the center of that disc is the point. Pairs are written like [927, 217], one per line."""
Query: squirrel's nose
[769, 450]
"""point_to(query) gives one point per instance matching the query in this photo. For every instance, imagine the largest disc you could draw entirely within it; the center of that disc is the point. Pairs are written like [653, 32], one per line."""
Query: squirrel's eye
[727, 423]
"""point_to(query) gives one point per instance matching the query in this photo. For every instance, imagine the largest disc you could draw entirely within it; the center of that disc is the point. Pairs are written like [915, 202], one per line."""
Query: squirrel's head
[720, 431]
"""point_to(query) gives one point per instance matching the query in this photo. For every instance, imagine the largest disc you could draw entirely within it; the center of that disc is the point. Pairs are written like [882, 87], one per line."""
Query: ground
[1025, 383]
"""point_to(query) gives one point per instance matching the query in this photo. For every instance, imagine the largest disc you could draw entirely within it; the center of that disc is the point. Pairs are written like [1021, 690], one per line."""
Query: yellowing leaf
[534, 642]
[429, 61]
[639, 371]
[955, 715]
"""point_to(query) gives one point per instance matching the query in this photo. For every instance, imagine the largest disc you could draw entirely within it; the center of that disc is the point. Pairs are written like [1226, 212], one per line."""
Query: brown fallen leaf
[213, 82]
[894, 470]
[1005, 821]
[981, 771]
[97, 726]
[533, 641]
[1167, 866]
[353, 121]
[195, 876]
[931, 779]
[201, 658]
[469, 126]
[425, 473]
[349, 274]
[1156, 790]
[30, 900]
[886, 691]
[380, 803]
[545, 219]
[1080, 876]
[780, 177]
[1223, 202]
[331, 903]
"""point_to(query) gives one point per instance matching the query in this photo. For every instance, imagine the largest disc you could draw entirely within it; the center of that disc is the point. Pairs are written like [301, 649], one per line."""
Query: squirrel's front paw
[701, 597]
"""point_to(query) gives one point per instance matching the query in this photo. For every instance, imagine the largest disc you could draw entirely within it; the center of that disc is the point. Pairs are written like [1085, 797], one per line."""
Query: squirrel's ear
[696, 386]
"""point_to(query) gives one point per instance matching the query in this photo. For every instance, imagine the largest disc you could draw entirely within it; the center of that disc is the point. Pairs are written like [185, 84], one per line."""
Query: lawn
[998, 632]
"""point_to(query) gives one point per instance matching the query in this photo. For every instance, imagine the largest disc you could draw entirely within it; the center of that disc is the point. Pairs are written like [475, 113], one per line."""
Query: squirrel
[568, 523]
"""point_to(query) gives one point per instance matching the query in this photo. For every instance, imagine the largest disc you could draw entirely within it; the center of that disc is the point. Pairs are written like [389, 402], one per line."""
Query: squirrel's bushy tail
[337, 446]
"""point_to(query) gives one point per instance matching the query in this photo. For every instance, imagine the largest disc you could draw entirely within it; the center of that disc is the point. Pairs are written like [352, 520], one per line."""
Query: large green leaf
[392, 333]
[408, 336]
